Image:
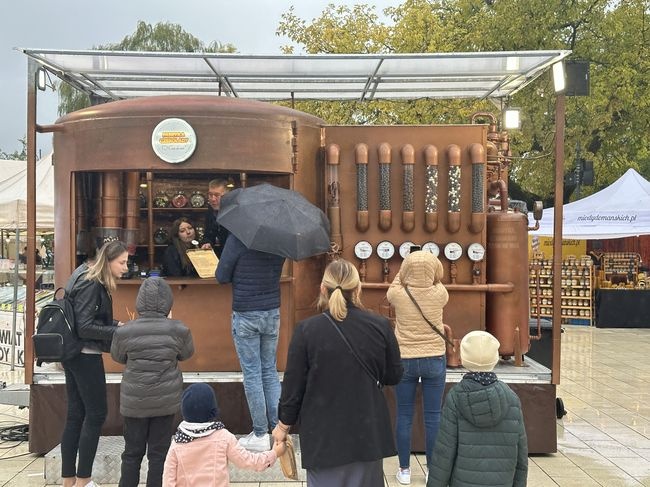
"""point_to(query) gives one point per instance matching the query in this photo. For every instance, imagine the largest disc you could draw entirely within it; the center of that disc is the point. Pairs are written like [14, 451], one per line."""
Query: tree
[18, 155]
[162, 37]
[611, 125]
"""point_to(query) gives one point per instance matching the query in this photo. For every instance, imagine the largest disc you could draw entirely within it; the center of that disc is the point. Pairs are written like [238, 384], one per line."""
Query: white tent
[622, 209]
[13, 194]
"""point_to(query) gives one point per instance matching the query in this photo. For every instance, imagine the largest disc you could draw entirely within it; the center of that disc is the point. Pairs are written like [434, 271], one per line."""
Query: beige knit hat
[479, 351]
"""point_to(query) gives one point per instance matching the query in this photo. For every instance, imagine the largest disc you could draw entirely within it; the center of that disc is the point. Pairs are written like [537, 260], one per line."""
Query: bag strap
[377, 382]
[433, 327]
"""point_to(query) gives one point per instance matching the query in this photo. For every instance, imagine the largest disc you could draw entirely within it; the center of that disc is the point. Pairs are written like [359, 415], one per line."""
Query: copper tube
[111, 201]
[408, 161]
[502, 188]
[385, 213]
[45, 129]
[506, 287]
[131, 209]
[431, 195]
[452, 354]
[333, 209]
[361, 160]
[477, 156]
[453, 189]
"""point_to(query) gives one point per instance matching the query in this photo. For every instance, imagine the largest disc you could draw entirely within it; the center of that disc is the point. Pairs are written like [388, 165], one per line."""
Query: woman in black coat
[90, 287]
[345, 428]
[176, 263]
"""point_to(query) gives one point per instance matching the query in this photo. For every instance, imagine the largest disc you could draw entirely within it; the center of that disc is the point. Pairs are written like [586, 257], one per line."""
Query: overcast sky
[75, 24]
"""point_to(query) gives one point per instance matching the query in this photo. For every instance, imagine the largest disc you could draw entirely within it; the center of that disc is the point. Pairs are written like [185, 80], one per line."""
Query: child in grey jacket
[152, 383]
[482, 439]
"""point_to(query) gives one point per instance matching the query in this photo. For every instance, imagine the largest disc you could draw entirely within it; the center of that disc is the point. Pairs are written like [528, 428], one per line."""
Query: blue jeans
[432, 372]
[255, 334]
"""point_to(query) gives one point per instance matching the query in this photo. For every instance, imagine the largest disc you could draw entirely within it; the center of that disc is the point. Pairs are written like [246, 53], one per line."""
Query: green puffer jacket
[482, 440]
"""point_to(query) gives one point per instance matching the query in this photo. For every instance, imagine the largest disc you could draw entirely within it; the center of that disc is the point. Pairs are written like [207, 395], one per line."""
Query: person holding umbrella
[267, 224]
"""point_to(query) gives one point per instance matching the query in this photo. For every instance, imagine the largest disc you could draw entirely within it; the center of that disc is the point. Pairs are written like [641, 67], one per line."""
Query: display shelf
[577, 282]
[619, 268]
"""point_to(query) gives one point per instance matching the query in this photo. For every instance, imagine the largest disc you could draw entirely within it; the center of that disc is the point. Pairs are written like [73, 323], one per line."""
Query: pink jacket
[204, 461]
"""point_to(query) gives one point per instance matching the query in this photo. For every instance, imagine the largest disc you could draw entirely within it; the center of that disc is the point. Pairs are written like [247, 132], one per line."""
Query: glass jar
[179, 200]
[160, 236]
[200, 232]
[197, 200]
[161, 200]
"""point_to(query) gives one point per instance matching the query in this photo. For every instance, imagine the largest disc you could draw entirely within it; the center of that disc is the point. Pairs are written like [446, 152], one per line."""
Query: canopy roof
[118, 75]
[622, 209]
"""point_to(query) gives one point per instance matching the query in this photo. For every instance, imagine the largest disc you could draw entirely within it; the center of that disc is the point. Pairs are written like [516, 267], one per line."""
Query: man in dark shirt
[215, 234]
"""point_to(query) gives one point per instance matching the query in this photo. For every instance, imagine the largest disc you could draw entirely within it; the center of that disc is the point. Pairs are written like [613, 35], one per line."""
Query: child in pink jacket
[202, 446]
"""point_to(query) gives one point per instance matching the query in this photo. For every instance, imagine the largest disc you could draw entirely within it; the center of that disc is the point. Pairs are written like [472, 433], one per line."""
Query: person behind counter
[215, 234]
[90, 287]
[345, 427]
[176, 263]
[422, 350]
[152, 383]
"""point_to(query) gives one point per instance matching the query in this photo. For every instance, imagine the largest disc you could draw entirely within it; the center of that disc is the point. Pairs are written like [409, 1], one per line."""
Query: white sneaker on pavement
[404, 476]
[255, 443]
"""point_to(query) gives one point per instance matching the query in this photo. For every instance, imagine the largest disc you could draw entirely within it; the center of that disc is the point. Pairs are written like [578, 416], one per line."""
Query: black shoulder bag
[377, 382]
[433, 327]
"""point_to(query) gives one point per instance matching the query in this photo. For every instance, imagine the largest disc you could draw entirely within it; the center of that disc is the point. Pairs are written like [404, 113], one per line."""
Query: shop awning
[118, 75]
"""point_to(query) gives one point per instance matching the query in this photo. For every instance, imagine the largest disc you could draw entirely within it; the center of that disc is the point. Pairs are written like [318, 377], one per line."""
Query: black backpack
[56, 338]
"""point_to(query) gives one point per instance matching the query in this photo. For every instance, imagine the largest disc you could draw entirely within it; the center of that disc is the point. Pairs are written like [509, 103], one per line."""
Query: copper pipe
[131, 210]
[502, 188]
[431, 196]
[385, 213]
[453, 189]
[333, 209]
[477, 156]
[45, 129]
[506, 287]
[408, 161]
[361, 160]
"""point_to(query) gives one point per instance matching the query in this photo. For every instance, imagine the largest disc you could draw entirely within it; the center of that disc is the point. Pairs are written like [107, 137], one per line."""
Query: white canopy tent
[622, 209]
[13, 194]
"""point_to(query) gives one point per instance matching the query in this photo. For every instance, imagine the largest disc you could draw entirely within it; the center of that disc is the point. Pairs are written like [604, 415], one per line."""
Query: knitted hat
[199, 404]
[479, 351]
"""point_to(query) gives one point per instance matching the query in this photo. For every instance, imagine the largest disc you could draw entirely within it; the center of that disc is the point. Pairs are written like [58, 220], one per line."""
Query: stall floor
[604, 440]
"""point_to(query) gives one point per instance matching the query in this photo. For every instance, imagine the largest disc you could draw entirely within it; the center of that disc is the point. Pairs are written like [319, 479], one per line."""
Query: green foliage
[18, 155]
[162, 37]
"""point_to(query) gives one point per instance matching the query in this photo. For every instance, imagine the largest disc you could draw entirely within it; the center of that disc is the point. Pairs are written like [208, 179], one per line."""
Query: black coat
[343, 416]
[172, 265]
[93, 310]
[215, 234]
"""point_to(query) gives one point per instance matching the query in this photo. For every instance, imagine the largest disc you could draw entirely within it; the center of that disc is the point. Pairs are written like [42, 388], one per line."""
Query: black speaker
[577, 78]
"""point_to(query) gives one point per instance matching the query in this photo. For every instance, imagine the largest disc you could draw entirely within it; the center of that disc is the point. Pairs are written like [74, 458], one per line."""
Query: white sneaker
[404, 476]
[255, 443]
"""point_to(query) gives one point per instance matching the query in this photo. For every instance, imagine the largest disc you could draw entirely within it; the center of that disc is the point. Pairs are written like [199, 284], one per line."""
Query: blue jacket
[255, 276]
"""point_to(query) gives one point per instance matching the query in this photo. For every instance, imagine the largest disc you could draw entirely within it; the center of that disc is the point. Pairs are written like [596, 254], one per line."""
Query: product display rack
[577, 288]
[624, 264]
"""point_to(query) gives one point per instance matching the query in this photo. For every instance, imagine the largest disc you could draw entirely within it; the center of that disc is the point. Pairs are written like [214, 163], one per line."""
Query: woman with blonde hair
[417, 291]
[90, 286]
[337, 363]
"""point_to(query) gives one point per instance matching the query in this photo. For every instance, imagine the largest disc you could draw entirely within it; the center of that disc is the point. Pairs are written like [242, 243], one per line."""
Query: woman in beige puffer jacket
[421, 348]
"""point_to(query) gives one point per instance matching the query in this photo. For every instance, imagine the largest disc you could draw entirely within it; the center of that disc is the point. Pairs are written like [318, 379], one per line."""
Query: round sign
[385, 250]
[453, 251]
[405, 249]
[475, 252]
[173, 140]
[431, 247]
[363, 250]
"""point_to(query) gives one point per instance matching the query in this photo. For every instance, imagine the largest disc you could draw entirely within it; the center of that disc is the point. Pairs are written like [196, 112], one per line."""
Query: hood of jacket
[483, 406]
[154, 297]
[420, 269]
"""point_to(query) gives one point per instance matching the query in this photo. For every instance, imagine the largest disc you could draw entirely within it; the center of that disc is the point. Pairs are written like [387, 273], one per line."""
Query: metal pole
[15, 307]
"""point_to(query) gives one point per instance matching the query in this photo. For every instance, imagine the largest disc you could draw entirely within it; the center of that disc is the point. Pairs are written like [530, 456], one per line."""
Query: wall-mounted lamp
[41, 81]
[230, 183]
[511, 119]
[559, 77]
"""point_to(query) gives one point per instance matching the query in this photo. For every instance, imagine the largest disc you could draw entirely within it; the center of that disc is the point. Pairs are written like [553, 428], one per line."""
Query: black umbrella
[275, 220]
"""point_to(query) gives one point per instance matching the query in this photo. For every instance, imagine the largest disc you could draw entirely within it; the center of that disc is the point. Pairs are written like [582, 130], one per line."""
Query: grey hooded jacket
[151, 347]
[482, 439]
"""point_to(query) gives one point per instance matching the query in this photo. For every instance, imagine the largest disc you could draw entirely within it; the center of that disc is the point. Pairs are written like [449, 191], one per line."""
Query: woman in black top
[176, 262]
[90, 287]
[345, 428]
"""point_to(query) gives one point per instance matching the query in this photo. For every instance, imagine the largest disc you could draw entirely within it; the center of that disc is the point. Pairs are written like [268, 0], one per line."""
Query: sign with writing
[7, 337]
[544, 245]
[173, 140]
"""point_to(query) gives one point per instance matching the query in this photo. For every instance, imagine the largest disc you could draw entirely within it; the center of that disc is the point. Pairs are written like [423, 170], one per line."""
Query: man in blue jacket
[255, 278]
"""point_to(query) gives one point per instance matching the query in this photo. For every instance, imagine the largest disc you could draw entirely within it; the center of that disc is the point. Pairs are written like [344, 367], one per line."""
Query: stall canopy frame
[113, 75]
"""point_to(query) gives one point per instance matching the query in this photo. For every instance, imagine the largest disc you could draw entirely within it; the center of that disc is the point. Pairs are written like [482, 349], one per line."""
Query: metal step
[15, 395]
[106, 469]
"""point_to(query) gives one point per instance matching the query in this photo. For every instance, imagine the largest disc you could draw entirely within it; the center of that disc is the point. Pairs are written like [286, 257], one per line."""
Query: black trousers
[150, 435]
[85, 384]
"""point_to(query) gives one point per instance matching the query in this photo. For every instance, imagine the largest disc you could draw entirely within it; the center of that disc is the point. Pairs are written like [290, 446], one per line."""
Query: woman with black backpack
[84, 374]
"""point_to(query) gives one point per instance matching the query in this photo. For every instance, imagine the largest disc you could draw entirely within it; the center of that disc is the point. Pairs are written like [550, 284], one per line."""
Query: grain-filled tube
[385, 214]
[361, 159]
[332, 155]
[408, 162]
[431, 195]
[477, 156]
[453, 195]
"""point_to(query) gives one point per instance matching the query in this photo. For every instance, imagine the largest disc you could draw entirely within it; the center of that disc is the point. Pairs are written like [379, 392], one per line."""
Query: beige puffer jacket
[422, 272]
